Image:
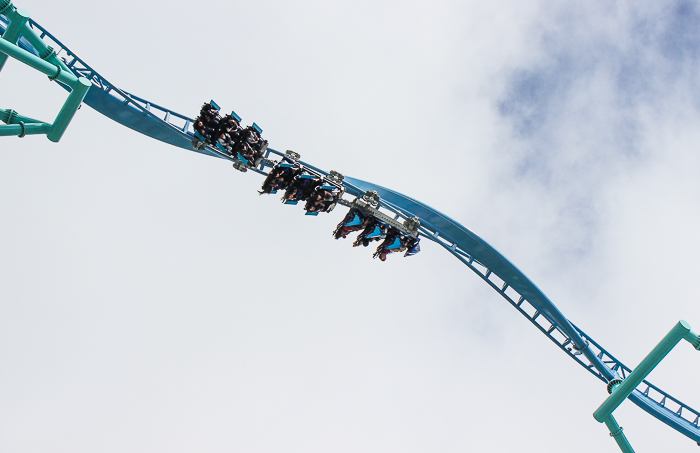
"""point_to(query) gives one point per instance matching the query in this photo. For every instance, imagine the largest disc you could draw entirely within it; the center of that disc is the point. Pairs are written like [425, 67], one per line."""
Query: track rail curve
[491, 266]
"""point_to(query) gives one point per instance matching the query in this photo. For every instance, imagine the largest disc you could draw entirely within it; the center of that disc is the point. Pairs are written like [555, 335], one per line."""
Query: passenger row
[322, 194]
[227, 135]
[319, 193]
[372, 229]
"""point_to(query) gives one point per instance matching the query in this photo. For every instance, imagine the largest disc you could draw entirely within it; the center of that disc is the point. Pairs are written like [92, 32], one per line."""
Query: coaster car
[301, 188]
[322, 199]
[397, 242]
[374, 231]
[393, 242]
[355, 220]
[280, 177]
[412, 247]
[207, 123]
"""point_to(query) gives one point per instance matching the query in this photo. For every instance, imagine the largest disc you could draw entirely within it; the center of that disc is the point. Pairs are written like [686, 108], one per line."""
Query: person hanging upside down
[320, 201]
[280, 177]
[394, 242]
[355, 220]
[373, 231]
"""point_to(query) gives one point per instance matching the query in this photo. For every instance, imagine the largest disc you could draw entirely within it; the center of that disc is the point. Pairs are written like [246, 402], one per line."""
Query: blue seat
[257, 128]
[220, 146]
[236, 117]
[274, 191]
[290, 202]
[356, 220]
[286, 166]
[413, 250]
[245, 161]
[311, 213]
[306, 176]
[215, 105]
[327, 187]
[376, 232]
[199, 136]
[395, 244]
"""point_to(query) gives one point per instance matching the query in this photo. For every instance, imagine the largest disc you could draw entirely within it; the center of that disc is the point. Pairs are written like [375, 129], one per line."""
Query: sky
[151, 300]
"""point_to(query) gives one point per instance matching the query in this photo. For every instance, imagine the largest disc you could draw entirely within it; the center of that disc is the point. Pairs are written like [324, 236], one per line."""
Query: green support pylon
[620, 389]
[21, 125]
[47, 63]
[14, 29]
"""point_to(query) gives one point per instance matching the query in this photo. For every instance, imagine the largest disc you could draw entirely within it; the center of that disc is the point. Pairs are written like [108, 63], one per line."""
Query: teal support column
[617, 434]
[694, 339]
[678, 333]
[54, 72]
[46, 52]
[50, 65]
[13, 31]
[20, 130]
[75, 98]
[9, 116]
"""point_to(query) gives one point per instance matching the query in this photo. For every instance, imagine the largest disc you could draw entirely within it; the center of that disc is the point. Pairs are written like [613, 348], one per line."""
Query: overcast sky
[151, 300]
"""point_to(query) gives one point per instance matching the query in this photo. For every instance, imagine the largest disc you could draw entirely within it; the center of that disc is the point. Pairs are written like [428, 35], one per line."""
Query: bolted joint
[578, 350]
[617, 432]
[292, 155]
[58, 73]
[8, 116]
[412, 224]
[613, 384]
[48, 53]
[240, 166]
[372, 198]
[335, 176]
[5, 5]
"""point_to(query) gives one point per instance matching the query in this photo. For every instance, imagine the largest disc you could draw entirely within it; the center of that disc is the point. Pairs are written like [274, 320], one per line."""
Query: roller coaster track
[493, 268]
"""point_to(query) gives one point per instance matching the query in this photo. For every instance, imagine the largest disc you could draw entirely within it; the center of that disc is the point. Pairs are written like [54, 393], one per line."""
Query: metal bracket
[335, 176]
[240, 166]
[410, 230]
[4, 5]
[613, 384]
[580, 351]
[371, 197]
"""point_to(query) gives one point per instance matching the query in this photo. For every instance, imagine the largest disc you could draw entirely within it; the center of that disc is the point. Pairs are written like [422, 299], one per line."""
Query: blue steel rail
[175, 129]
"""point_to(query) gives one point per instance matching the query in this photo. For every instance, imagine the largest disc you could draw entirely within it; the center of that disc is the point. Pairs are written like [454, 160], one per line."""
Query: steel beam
[75, 98]
[20, 130]
[18, 20]
[54, 72]
[617, 434]
[619, 394]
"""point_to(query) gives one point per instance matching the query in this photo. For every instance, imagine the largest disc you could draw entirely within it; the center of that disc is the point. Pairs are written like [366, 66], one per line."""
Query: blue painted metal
[175, 129]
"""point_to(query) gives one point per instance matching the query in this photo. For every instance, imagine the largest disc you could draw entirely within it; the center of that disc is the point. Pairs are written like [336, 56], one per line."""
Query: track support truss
[48, 63]
[620, 389]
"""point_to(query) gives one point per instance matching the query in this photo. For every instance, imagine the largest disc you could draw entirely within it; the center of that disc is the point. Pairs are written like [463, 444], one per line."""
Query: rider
[394, 242]
[320, 201]
[374, 231]
[279, 178]
[355, 220]
[207, 123]
[229, 125]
